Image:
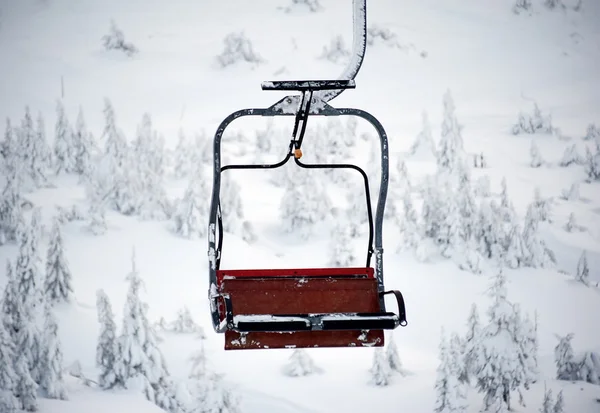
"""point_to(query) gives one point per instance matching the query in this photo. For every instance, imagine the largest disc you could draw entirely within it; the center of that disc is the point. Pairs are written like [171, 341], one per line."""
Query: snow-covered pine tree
[28, 274]
[571, 224]
[213, 395]
[10, 301]
[408, 225]
[470, 348]
[583, 271]
[542, 205]
[52, 383]
[115, 144]
[248, 233]
[182, 157]
[8, 377]
[517, 253]
[10, 207]
[571, 156]
[83, 146]
[450, 152]
[191, 216]
[140, 357]
[64, 148]
[450, 392]
[535, 157]
[300, 364]
[592, 165]
[554, 4]
[503, 365]
[380, 369]
[404, 183]
[107, 347]
[424, 145]
[548, 403]
[58, 275]
[393, 358]
[231, 204]
[304, 204]
[26, 388]
[539, 255]
[31, 152]
[184, 323]
[42, 143]
[564, 358]
[341, 249]
[559, 406]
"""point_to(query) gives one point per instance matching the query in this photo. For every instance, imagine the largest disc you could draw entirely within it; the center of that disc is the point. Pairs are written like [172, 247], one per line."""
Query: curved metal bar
[359, 47]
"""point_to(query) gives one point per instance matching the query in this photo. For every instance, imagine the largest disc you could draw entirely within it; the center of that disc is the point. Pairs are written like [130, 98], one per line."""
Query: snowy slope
[491, 60]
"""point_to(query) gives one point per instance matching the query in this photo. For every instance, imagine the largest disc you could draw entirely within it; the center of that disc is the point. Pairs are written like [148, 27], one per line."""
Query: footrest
[315, 322]
[303, 85]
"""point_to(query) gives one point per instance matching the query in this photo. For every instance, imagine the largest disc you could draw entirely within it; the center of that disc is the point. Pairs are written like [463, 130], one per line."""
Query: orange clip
[298, 153]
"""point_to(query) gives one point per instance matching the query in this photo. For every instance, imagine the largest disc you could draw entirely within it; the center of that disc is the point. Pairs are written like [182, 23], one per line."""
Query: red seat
[288, 292]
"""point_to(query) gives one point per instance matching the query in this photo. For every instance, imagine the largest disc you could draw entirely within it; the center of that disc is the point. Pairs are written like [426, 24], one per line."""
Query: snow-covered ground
[493, 61]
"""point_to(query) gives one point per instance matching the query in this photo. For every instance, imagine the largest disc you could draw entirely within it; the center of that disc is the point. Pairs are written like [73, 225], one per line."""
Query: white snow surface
[491, 60]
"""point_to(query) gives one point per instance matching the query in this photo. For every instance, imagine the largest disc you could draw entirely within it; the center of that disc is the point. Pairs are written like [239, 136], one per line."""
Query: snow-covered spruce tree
[8, 142]
[424, 145]
[559, 406]
[535, 158]
[10, 301]
[148, 152]
[571, 156]
[141, 360]
[469, 346]
[380, 369]
[589, 367]
[107, 349]
[450, 392]
[504, 366]
[83, 146]
[213, 395]
[32, 153]
[248, 233]
[408, 225]
[403, 178]
[191, 214]
[115, 145]
[26, 388]
[231, 204]
[538, 253]
[583, 271]
[10, 207]
[592, 165]
[42, 143]
[508, 211]
[554, 4]
[29, 276]
[181, 157]
[312, 5]
[517, 254]
[58, 282]
[541, 205]
[8, 377]
[393, 358]
[304, 204]
[592, 133]
[300, 364]
[52, 382]
[238, 47]
[450, 153]
[564, 358]
[341, 249]
[184, 323]
[64, 147]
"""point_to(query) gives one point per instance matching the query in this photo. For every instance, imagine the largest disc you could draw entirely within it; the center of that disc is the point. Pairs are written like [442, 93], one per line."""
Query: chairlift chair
[304, 307]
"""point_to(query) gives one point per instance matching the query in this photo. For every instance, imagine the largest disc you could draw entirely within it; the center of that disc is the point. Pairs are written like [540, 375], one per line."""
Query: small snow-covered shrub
[536, 123]
[571, 156]
[482, 186]
[522, 6]
[238, 48]
[554, 4]
[592, 165]
[115, 40]
[571, 194]
[336, 52]
[312, 5]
